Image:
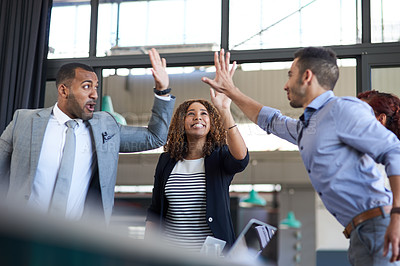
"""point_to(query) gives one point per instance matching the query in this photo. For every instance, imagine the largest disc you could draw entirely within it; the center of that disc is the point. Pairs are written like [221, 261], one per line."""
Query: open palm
[159, 70]
[223, 81]
[222, 75]
[220, 100]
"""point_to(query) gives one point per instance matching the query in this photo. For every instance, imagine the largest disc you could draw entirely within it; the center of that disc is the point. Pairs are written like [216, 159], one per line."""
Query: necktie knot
[71, 124]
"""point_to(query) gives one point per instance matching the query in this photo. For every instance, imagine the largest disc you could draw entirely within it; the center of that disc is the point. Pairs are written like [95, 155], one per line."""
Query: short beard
[294, 104]
[82, 115]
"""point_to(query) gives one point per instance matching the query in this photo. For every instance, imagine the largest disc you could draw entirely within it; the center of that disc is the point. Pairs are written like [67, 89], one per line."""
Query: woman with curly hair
[204, 151]
[386, 107]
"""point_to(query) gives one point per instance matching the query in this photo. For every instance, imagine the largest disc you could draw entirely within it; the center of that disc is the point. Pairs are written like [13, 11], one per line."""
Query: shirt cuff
[163, 97]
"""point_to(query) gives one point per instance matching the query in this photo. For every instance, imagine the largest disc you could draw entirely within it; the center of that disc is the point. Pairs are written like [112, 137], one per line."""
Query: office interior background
[113, 36]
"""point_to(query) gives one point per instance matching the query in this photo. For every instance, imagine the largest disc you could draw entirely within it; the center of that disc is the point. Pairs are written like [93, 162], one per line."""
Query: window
[385, 21]
[262, 24]
[69, 29]
[172, 26]
[386, 80]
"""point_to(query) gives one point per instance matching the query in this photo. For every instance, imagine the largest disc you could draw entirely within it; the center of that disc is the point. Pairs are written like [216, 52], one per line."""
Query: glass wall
[385, 21]
[128, 27]
[262, 24]
[69, 29]
[175, 26]
[386, 79]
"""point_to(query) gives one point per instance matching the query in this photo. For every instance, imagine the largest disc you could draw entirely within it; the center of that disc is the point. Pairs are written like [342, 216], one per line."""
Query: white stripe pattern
[186, 224]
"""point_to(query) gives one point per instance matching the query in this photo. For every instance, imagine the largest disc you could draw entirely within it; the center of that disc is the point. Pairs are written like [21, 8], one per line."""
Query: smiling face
[197, 121]
[78, 99]
[295, 88]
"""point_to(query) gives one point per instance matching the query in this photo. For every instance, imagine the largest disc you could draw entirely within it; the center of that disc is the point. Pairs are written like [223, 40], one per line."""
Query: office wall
[301, 200]
[132, 95]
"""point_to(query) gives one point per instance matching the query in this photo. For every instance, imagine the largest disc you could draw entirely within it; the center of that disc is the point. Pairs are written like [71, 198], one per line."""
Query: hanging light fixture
[254, 199]
[106, 105]
[291, 220]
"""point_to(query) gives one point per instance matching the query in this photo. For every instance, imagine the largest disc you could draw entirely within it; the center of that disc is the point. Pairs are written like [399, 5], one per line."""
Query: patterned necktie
[64, 176]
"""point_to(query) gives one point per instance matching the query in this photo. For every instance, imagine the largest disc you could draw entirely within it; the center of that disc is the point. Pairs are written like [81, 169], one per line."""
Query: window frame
[368, 55]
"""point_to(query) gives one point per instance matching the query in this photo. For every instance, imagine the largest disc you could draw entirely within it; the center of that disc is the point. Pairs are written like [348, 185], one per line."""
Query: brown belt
[362, 217]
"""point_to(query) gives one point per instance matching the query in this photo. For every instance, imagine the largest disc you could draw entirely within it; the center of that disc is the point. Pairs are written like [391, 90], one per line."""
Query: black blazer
[220, 167]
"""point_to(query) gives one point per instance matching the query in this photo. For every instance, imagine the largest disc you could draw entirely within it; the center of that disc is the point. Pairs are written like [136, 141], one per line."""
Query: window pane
[51, 94]
[386, 80]
[385, 21]
[130, 27]
[262, 24]
[69, 29]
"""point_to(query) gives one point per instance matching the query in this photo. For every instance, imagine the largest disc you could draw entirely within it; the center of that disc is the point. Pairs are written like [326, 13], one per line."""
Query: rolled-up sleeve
[272, 121]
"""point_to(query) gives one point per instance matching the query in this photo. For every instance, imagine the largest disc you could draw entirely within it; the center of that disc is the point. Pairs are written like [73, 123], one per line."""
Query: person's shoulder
[350, 99]
[164, 159]
[350, 105]
[102, 114]
[348, 102]
[165, 155]
[31, 112]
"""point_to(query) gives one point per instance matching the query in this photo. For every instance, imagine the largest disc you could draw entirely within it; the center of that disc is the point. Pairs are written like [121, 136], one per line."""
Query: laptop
[252, 242]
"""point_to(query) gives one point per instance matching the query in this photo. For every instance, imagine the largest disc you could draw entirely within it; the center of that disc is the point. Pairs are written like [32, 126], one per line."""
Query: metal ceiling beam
[377, 52]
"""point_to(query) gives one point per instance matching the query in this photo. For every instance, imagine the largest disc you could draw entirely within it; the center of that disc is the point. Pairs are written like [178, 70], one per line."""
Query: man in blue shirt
[339, 141]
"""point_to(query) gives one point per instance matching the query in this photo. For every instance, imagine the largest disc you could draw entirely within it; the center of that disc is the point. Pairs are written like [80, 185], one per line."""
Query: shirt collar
[321, 100]
[317, 103]
[61, 117]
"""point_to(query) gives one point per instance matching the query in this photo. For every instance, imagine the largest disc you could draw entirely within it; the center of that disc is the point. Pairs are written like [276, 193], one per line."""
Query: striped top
[185, 224]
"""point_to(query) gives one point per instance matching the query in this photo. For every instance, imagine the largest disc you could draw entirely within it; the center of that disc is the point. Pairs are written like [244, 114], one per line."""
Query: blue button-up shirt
[339, 146]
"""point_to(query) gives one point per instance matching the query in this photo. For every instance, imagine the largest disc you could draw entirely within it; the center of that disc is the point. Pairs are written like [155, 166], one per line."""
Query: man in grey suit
[31, 146]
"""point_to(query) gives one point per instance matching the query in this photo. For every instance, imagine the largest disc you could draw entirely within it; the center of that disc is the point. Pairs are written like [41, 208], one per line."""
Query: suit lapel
[97, 141]
[39, 125]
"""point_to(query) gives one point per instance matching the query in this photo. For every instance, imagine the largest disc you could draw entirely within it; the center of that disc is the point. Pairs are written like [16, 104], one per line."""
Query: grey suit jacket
[21, 142]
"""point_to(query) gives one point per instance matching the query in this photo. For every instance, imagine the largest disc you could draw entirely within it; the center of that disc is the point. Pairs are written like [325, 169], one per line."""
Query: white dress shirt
[49, 163]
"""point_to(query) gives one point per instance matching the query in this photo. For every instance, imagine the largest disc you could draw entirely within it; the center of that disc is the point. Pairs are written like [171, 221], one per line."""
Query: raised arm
[223, 83]
[236, 144]
[159, 71]
[155, 134]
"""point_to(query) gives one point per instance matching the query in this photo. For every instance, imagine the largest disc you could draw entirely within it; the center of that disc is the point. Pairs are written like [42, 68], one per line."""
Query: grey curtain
[24, 34]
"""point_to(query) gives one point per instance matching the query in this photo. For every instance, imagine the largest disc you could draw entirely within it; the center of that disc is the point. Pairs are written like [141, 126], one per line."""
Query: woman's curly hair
[384, 103]
[177, 144]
